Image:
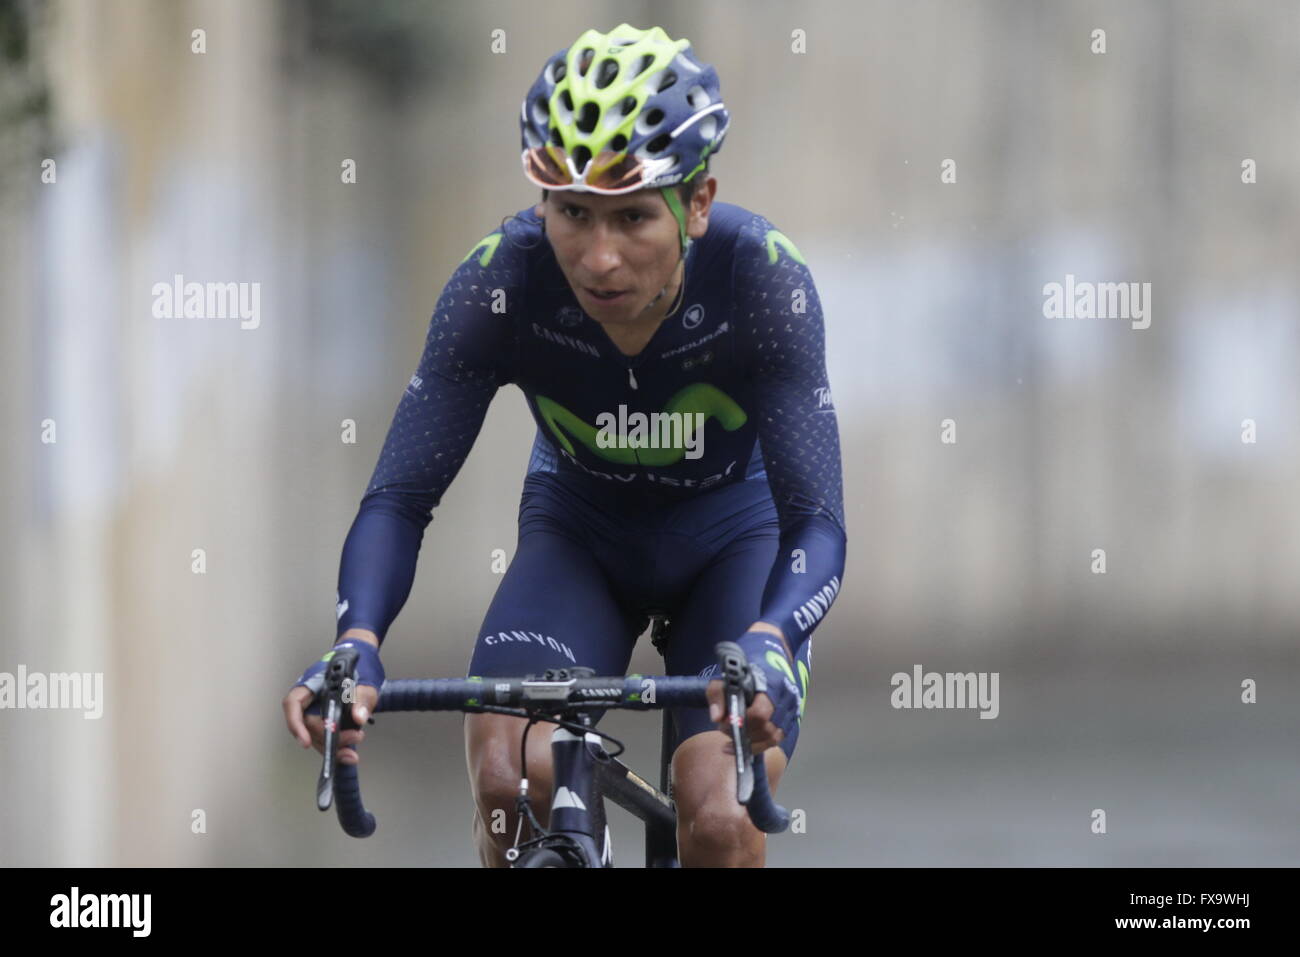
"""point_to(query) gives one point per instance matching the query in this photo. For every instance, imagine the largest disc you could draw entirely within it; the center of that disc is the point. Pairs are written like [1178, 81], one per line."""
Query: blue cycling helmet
[621, 111]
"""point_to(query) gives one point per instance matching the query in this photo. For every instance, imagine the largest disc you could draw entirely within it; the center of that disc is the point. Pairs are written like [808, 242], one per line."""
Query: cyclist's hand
[763, 734]
[309, 729]
[775, 709]
[303, 718]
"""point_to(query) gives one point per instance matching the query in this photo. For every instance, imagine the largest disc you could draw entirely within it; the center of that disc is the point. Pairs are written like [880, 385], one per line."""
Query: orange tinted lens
[610, 170]
[546, 165]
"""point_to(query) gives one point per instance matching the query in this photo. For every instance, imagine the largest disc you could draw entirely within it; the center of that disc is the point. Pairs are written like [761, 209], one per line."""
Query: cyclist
[686, 460]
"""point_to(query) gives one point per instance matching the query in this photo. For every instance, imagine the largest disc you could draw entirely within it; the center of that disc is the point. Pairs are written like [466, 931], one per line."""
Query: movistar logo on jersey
[658, 430]
[657, 439]
[777, 660]
[776, 238]
[486, 248]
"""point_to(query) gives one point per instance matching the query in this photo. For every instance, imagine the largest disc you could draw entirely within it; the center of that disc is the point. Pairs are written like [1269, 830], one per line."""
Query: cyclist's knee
[717, 832]
[492, 753]
[714, 829]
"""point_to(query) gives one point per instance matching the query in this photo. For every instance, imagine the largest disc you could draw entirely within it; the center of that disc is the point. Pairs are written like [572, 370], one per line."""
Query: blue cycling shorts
[589, 569]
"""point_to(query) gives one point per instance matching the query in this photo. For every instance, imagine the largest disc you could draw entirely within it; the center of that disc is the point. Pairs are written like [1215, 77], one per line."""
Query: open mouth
[606, 296]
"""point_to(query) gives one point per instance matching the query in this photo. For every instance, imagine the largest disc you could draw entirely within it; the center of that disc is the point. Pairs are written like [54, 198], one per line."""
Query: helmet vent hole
[697, 98]
[708, 127]
[581, 156]
[556, 139]
[584, 61]
[558, 70]
[654, 117]
[669, 78]
[644, 65]
[629, 104]
[618, 143]
[659, 143]
[587, 119]
[606, 73]
[566, 100]
[541, 111]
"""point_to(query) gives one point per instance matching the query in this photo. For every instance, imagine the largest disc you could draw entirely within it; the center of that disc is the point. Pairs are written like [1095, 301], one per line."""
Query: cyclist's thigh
[725, 601]
[553, 609]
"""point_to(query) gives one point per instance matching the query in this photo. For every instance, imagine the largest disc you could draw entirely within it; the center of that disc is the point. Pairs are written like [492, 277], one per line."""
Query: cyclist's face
[626, 244]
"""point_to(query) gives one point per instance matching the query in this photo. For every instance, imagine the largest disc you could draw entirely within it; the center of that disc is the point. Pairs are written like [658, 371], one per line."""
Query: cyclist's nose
[601, 257]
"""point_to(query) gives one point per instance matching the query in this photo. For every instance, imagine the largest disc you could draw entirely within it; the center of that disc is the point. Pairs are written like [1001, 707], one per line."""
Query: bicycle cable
[523, 804]
[569, 725]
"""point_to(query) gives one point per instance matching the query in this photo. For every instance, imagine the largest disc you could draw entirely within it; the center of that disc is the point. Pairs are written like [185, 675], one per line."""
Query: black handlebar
[342, 783]
[353, 816]
[752, 789]
[338, 780]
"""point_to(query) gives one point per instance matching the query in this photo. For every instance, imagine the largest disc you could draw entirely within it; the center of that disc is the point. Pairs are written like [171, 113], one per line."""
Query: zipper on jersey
[632, 363]
[632, 384]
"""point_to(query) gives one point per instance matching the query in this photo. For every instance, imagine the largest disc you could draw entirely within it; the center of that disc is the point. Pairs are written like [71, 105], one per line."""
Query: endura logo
[696, 343]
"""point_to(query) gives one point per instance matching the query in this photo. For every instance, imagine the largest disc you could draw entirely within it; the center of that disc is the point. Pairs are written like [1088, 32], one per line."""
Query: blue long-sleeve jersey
[744, 354]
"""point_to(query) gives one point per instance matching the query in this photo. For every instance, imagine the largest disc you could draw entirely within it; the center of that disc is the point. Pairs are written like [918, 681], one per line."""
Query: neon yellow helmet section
[617, 72]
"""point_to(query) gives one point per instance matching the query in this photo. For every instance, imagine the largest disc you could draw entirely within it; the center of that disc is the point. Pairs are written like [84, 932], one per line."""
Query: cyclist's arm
[781, 316]
[465, 360]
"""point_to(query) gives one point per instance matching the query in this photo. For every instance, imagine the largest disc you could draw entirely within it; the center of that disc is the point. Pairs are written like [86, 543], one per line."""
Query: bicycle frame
[584, 775]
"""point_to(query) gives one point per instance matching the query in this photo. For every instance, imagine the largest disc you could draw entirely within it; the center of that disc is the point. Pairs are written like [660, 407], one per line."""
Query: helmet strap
[675, 204]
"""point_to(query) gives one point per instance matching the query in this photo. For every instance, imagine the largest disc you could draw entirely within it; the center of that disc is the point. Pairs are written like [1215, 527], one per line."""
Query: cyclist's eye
[635, 217]
[573, 210]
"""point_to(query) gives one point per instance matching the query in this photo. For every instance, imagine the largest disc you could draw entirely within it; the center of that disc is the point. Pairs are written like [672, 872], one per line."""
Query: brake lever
[738, 691]
[339, 675]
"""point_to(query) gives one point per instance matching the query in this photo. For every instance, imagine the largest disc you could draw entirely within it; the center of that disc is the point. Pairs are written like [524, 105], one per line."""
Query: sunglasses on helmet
[551, 167]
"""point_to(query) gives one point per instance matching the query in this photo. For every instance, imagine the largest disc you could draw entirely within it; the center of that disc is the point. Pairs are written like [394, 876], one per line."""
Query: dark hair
[684, 190]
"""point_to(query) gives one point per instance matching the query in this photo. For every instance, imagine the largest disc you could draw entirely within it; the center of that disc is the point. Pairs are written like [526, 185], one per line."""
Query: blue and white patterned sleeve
[467, 357]
[779, 318]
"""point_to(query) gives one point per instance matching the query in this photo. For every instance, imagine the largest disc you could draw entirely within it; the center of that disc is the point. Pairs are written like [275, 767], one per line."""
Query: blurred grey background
[1119, 691]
